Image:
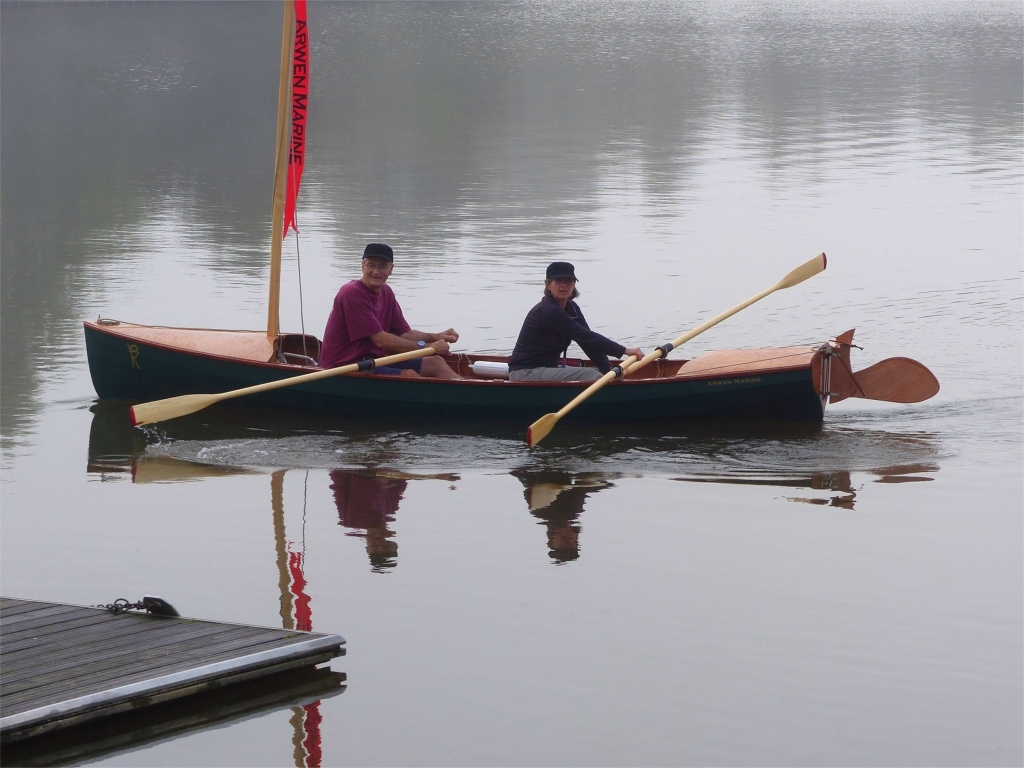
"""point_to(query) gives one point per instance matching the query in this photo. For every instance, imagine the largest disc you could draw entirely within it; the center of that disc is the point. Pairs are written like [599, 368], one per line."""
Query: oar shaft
[365, 365]
[806, 270]
[182, 405]
[659, 352]
[632, 364]
[724, 316]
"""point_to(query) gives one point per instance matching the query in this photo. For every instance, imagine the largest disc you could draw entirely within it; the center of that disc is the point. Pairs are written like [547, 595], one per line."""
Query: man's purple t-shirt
[358, 314]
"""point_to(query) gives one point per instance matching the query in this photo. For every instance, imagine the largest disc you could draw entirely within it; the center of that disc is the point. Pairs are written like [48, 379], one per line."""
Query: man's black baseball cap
[379, 251]
[558, 269]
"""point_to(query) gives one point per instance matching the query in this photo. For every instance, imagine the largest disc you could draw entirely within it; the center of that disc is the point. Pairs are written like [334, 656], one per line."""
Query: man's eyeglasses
[376, 266]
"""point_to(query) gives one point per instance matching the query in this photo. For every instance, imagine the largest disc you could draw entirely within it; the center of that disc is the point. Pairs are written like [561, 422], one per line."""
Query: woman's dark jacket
[547, 332]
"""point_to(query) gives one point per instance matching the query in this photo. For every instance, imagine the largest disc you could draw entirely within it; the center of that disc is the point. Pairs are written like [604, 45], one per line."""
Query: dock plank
[148, 664]
[85, 622]
[67, 656]
[63, 625]
[11, 607]
[8, 620]
[62, 665]
[59, 625]
[178, 643]
[86, 632]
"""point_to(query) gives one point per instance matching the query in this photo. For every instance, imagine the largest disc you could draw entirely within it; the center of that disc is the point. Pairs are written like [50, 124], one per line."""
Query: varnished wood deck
[64, 664]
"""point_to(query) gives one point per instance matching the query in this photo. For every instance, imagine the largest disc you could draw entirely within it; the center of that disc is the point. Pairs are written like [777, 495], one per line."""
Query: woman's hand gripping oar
[542, 426]
[173, 407]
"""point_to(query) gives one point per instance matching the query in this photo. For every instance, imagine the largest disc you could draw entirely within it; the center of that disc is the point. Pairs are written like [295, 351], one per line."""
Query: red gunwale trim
[408, 380]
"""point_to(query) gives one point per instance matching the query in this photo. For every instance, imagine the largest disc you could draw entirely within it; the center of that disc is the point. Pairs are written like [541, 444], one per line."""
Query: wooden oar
[540, 428]
[173, 407]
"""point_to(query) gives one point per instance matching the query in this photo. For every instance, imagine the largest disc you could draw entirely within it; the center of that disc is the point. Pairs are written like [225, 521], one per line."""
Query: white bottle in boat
[484, 369]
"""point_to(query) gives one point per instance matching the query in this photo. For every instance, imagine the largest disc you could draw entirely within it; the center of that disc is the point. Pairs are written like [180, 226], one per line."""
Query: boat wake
[866, 440]
[707, 452]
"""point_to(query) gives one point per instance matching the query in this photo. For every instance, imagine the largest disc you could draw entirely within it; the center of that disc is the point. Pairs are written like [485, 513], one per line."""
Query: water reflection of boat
[116, 450]
[367, 501]
[366, 504]
[839, 482]
[556, 499]
[231, 443]
[296, 612]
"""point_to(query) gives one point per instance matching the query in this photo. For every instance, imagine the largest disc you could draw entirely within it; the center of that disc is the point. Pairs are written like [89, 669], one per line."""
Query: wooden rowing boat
[137, 362]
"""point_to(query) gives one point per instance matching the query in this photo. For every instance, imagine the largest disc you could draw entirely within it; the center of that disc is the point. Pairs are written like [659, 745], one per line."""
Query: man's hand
[450, 336]
[634, 351]
[441, 346]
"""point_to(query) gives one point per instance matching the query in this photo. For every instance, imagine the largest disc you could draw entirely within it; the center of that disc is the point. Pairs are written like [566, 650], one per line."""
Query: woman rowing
[554, 323]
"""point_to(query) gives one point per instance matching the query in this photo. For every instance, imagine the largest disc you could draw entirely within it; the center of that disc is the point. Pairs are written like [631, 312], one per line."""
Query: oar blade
[540, 428]
[171, 408]
[896, 380]
[803, 272]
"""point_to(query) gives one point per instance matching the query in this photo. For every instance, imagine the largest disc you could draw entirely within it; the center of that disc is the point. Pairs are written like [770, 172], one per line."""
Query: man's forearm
[393, 344]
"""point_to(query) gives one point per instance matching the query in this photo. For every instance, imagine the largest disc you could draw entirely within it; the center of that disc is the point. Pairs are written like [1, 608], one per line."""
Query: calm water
[721, 594]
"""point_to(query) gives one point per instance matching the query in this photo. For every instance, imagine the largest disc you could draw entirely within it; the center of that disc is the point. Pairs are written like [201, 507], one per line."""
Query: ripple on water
[856, 436]
[849, 444]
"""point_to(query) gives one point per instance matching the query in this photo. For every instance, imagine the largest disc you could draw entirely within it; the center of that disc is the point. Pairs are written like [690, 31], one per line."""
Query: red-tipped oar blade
[171, 408]
[896, 380]
[805, 271]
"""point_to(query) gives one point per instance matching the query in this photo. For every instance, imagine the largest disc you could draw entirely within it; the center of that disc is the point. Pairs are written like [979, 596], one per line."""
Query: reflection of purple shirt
[357, 315]
[365, 501]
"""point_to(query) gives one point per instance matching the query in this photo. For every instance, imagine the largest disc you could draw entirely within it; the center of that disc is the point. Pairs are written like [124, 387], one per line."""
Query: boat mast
[281, 170]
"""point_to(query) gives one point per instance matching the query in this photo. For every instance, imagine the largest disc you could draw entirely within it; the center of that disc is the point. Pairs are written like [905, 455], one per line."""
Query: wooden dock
[61, 665]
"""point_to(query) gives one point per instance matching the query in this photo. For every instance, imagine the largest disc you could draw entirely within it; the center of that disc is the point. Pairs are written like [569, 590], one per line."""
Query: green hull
[153, 371]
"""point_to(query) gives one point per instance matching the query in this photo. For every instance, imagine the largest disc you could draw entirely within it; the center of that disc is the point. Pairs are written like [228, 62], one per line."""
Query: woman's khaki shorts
[555, 374]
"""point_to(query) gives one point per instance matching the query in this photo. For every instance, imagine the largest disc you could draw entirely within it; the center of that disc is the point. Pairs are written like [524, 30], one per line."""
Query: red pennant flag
[300, 98]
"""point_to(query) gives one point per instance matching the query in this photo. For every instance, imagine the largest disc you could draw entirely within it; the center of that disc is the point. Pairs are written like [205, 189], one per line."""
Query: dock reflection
[217, 709]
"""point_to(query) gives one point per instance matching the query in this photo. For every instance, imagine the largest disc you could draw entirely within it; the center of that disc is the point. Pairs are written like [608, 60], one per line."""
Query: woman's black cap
[558, 269]
[379, 251]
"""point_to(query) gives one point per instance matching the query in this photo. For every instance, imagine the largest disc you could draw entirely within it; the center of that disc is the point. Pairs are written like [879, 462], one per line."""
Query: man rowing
[554, 323]
[366, 322]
